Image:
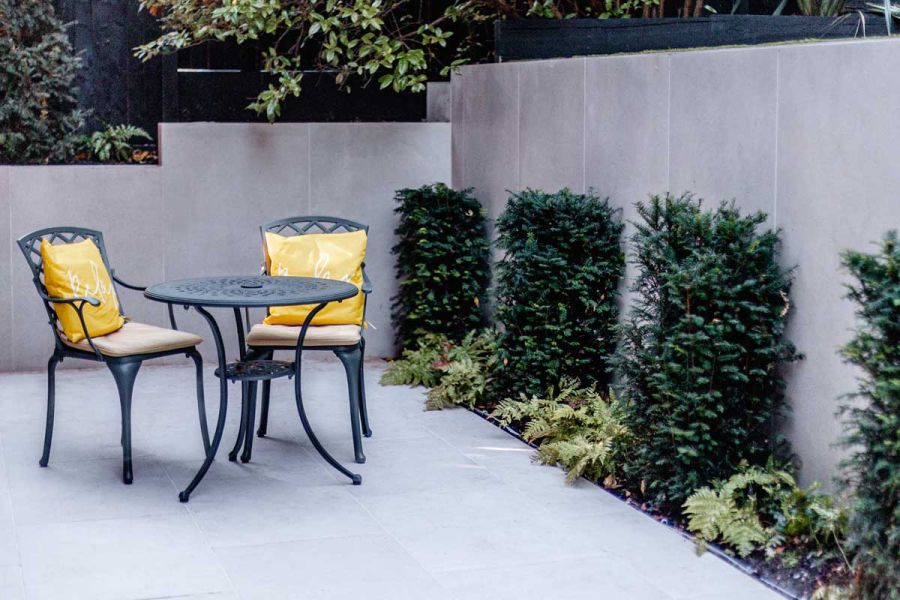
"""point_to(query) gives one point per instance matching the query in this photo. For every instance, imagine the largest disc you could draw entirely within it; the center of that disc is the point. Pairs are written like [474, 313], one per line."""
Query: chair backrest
[310, 224]
[30, 245]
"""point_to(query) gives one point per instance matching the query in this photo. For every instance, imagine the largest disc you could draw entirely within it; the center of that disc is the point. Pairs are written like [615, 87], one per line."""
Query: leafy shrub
[38, 115]
[557, 290]
[761, 508]
[457, 374]
[701, 351]
[113, 143]
[874, 427]
[575, 427]
[442, 263]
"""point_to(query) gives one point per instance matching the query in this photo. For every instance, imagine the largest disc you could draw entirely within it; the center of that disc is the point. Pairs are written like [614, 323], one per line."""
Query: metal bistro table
[238, 293]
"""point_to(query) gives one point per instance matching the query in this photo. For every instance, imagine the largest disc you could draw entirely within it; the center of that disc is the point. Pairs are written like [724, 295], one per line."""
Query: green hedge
[557, 290]
[443, 264]
[701, 351]
[874, 427]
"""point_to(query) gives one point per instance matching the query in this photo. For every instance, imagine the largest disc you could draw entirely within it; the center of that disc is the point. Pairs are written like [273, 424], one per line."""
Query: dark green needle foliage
[874, 420]
[38, 115]
[702, 349]
[443, 264]
[557, 290]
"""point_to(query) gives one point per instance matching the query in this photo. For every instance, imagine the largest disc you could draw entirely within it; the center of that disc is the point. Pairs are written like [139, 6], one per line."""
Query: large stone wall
[199, 212]
[803, 132]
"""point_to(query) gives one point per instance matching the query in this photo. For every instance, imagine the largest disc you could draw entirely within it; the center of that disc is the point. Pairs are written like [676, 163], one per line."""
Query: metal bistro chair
[122, 351]
[346, 341]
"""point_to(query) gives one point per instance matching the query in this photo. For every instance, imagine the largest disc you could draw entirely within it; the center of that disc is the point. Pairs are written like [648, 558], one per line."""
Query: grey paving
[450, 507]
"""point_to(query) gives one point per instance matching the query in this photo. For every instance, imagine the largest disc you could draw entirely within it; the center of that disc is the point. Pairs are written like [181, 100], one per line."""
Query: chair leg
[363, 411]
[201, 403]
[51, 407]
[352, 359]
[125, 373]
[264, 406]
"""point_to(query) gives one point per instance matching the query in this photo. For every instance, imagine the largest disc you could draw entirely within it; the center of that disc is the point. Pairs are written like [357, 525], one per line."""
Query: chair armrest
[138, 288]
[367, 283]
[81, 300]
[77, 303]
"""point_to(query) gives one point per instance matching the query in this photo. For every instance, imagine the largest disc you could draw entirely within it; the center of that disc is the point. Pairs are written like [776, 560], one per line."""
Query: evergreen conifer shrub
[443, 264]
[38, 114]
[701, 352]
[874, 425]
[557, 291]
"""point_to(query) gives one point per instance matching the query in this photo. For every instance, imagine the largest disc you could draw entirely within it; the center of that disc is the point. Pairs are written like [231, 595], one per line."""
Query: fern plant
[574, 427]
[113, 143]
[417, 366]
[762, 508]
[458, 374]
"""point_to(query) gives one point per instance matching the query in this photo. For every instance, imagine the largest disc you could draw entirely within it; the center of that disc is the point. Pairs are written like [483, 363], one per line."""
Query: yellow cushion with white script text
[327, 255]
[77, 270]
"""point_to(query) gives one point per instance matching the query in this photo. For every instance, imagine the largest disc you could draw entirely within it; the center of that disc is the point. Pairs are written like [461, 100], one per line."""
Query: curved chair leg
[351, 357]
[363, 411]
[125, 373]
[201, 403]
[264, 406]
[248, 424]
[242, 428]
[51, 407]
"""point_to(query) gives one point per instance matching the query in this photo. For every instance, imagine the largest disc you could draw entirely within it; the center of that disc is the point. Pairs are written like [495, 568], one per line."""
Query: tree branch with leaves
[359, 40]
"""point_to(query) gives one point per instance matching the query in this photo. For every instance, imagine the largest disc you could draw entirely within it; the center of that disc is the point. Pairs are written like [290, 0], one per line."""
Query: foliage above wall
[702, 350]
[38, 115]
[874, 426]
[443, 264]
[557, 290]
[363, 40]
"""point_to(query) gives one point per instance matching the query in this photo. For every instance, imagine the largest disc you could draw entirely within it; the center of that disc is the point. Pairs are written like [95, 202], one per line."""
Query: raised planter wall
[199, 212]
[798, 131]
[532, 39]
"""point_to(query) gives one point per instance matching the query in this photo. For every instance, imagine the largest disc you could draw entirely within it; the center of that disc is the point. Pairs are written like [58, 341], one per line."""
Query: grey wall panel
[490, 133]
[354, 173]
[626, 141]
[838, 188]
[220, 183]
[722, 126]
[551, 124]
[123, 202]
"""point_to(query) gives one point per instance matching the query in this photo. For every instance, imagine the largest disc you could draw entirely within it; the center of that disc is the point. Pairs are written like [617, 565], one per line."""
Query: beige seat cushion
[138, 338]
[320, 335]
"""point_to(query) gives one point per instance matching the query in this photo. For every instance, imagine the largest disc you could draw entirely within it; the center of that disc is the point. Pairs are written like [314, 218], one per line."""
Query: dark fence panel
[213, 83]
[116, 86]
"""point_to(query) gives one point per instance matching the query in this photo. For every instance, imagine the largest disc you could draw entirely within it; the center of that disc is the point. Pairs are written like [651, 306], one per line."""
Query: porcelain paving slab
[450, 508]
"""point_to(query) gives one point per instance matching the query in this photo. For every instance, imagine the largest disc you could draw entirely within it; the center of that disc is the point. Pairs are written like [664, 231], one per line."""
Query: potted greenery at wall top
[530, 30]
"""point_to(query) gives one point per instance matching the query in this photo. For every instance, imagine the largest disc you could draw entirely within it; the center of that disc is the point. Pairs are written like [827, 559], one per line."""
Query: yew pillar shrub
[701, 352]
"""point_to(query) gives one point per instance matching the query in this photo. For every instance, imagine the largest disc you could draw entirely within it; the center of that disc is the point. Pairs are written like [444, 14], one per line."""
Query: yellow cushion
[138, 338]
[286, 335]
[77, 269]
[326, 255]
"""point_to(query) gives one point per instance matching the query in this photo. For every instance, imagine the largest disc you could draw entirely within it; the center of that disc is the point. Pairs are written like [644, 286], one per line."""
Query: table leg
[185, 494]
[354, 477]
[249, 422]
[242, 428]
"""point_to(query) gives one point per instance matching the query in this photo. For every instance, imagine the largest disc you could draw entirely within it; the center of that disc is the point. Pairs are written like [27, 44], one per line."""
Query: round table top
[250, 291]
